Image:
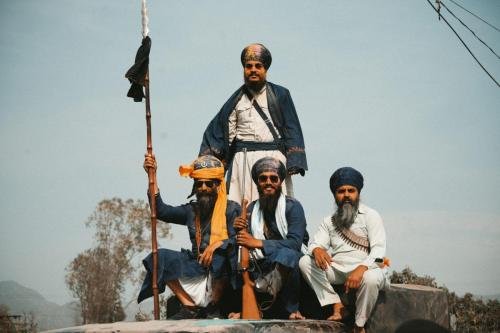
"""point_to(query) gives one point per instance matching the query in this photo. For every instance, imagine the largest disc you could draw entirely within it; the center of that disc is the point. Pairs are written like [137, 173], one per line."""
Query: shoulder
[370, 214]
[292, 201]
[277, 89]
[293, 205]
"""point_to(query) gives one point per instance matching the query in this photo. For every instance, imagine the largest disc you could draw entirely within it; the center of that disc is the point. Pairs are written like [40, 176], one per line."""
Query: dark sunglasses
[208, 183]
[263, 178]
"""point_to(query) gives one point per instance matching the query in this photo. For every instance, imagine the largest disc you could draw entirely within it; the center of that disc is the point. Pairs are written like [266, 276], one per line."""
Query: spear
[138, 76]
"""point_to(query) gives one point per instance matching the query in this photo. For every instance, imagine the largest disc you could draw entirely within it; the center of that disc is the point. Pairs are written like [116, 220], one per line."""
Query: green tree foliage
[468, 314]
[96, 277]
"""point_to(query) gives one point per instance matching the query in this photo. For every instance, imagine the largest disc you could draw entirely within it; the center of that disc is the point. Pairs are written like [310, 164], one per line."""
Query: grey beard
[206, 203]
[345, 215]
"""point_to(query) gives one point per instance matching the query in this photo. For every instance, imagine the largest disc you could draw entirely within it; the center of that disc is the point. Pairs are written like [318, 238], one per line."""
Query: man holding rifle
[197, 276]
[274, 232]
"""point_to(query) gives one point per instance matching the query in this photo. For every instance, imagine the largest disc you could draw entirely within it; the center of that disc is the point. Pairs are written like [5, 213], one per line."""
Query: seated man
[277, 235]
[355, 237]
[197, 276]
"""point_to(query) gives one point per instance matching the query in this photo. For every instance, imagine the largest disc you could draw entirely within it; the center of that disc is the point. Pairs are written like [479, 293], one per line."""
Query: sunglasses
[263, 179]
[208, 183]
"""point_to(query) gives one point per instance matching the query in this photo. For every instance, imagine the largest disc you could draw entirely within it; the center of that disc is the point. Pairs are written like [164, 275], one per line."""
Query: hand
[205, 259]
[149, 162]
[322, 258]
[354, 279]
[240, 223]
[245, 239]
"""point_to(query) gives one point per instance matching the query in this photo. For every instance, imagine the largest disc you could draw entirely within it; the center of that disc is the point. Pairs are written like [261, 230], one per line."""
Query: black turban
[256, 52]
[268, 164]
[346, 176]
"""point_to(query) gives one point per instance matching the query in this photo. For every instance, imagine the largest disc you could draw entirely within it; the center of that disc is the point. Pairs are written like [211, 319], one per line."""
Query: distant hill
[47, 314]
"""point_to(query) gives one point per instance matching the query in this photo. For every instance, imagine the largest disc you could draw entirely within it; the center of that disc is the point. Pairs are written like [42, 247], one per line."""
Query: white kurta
[346, 258]
[245, 124]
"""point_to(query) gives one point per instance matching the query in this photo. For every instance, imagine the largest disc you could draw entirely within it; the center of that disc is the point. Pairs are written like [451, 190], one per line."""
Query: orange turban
[209, 167]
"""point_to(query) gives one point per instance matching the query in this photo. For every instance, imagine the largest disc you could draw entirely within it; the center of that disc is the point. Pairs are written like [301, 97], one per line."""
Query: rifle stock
[249, 307]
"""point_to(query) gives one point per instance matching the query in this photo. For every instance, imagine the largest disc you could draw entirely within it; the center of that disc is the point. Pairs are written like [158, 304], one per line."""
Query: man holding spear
[196, 276]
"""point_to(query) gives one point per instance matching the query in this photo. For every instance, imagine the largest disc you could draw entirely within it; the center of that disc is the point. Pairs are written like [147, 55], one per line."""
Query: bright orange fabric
[218, 228]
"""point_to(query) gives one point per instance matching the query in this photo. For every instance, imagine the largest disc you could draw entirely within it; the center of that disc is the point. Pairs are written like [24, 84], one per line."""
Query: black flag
[137, 73]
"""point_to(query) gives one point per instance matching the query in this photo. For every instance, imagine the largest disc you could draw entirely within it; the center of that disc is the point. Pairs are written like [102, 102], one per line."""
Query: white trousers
[321, 282]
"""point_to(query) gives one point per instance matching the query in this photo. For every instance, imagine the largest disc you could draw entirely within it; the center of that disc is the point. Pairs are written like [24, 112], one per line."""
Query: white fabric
[245, 124]
[346, 258]
[257, 222]
[374, 279]
[368, 223]
[198, 288]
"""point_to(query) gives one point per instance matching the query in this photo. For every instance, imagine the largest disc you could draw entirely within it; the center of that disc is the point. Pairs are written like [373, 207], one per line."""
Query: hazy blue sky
[382, 86]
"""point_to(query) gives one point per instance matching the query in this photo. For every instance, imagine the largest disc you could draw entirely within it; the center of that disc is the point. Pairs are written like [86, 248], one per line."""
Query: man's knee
[372, 278]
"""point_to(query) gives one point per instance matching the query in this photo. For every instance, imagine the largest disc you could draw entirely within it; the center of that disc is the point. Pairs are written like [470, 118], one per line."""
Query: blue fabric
[346, 176]
[282, 110]
[175, 264]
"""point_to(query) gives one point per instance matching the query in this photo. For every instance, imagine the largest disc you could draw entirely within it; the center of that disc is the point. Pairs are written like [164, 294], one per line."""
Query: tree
[9, 323]
[97, 276]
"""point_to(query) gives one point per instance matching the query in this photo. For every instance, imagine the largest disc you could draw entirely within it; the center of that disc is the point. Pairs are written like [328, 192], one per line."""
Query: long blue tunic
[284, 116]
[173, 265]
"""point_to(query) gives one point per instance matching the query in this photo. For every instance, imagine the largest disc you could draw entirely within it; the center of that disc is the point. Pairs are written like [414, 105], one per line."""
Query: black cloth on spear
[137, 73]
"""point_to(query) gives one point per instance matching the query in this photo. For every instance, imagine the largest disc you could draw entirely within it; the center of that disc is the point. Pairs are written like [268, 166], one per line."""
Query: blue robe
[285, 251]
[173, 265]
[216, 137]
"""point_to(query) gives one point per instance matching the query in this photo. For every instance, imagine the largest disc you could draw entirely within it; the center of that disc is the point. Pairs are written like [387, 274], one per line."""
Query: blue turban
[346, 176]
[268, 164]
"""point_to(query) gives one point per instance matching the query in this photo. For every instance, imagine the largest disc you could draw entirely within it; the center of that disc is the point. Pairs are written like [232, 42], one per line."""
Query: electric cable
[465, 25]
[468, 11]
[472, 54]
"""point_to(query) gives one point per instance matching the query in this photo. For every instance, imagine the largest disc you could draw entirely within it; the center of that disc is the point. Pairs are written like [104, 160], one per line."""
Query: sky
[381, 86]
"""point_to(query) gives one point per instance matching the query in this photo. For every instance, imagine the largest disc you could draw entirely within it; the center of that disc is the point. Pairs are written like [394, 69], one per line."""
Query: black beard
[268, 202]
[206, 203]
[255, 87]
[346, 214]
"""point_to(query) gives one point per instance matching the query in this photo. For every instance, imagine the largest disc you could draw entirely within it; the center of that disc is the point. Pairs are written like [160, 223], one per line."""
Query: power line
[468, 11]
[449, 11]
[472, 54]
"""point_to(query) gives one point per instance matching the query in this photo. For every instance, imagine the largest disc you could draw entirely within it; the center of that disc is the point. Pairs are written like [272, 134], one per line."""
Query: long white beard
[345, 215]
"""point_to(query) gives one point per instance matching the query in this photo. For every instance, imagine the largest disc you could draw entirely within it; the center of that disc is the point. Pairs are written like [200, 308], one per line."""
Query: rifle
[249, 307]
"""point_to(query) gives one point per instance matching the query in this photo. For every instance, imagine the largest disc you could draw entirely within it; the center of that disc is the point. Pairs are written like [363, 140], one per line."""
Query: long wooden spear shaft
[152, 204]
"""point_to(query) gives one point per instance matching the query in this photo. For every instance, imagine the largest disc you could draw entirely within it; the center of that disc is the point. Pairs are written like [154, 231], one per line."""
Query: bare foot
[296, 316]
[338, 312]
[234, 315]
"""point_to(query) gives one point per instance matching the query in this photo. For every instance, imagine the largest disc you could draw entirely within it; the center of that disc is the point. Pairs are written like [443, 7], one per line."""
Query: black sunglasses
[263, 178]
[208, 183]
